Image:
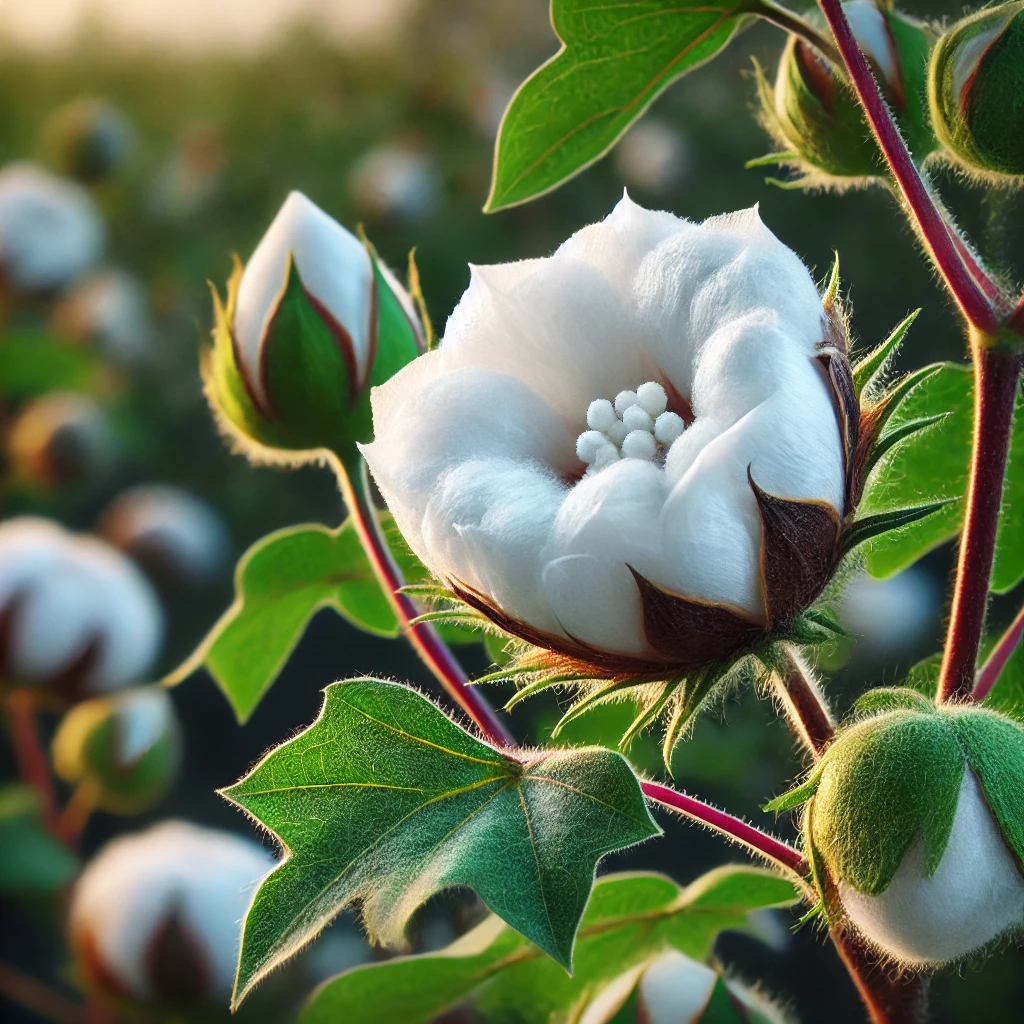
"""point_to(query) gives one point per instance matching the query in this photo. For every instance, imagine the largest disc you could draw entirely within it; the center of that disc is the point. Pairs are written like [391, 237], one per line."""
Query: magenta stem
[423, 637]
[997, 660]
[927, 218]
[995, 393]
[728, 825]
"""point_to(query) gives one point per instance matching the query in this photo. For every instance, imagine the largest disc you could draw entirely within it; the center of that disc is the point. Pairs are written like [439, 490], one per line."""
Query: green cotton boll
[916, 828]
[311, 324]
[976, 91]
[125, 749]
[815, 116]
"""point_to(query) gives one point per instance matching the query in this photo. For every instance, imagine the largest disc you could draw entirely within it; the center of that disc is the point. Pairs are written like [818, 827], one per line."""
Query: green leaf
[31, 860]
[630, 918]
[281, 582]
[932, 465]
[614, 61]
[32, 363]
[386, 801]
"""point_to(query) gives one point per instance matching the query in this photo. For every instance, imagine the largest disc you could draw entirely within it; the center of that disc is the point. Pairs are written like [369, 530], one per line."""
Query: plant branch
[925, 214]
[733, 828]
[995, 393]
[790, 21]
[890, 996]
[37, 998]
[354, 485]
[806, 709]
[33, 764]
[997, 660]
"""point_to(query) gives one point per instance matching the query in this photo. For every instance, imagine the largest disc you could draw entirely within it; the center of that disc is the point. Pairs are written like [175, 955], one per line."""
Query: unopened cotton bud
[50, 232]
[156, 916]
[639, 444]
[61, 438]
[976, 79]
[667, 427]
[931, 872]
[601, 414]
[77, 613]
[814, 114]
[126, 747]
[311, 324]
[637, 418]
[175, 536]
[88, 139]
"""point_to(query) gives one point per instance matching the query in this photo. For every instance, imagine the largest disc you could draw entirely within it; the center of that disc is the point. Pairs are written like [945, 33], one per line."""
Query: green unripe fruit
[126, 747]
[814, 113]
[916, 827]
[976, 90]
[311, 324]
[88, 139]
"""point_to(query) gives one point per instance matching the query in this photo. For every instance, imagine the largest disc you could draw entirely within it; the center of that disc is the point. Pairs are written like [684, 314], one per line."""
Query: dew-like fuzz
[636, 425]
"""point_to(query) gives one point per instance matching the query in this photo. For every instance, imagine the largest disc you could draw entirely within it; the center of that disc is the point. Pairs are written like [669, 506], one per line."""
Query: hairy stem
[924, 213]
[806, 710]
[37, 998]
[354, 486]
[733, 828]
[995, 392]
[997, 660]
[33, 764]
[789, 21]
[889, 997]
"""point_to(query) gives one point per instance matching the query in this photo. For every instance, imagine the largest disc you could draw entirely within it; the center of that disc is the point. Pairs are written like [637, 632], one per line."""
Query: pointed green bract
[898, 435]
[630, 919]
[864, 529]
[869, 808]
[281, 582]
[931, 466]
[867, 370]
[385, 800]
[615, 60]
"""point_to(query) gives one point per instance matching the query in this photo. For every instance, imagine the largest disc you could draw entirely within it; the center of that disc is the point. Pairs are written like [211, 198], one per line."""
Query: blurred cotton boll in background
[156, 916]
[175, 536]
[192, 175]
[88, 139]
[653, 156]
[890, 617]
[109, 309]
[396, 181]
[50, 231]
[61, 438]
[74, 612]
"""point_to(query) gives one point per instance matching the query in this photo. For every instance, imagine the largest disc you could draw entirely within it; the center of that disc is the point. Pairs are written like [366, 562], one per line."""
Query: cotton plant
[640, 470]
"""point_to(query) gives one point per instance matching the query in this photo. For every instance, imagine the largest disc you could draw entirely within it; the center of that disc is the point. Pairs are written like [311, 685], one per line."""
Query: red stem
[806, 710]
[1016, 321]
[728, 825]
[40, 1000]
[997, 660]
[995, 394]
[926, 216]
[33, 765]
[890, 998]
[423, 637]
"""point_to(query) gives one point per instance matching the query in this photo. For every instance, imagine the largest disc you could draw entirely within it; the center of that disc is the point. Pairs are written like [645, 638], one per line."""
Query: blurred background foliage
[398, 136]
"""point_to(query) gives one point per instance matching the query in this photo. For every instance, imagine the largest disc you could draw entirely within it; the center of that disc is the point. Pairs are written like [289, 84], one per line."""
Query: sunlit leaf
[385, 800]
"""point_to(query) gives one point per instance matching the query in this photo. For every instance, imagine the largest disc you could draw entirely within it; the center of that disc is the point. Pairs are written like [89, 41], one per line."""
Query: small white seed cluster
[635, 426]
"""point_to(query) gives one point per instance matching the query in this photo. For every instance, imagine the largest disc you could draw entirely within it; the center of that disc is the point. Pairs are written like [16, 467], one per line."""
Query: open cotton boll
[50, 231]
[80, 614]
[156, 916]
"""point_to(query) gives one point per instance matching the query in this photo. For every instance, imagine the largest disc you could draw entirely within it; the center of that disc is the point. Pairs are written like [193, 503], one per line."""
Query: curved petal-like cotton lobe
[200, 878]
[976, 893]
[50, 232]
[74, 604]
[675, 989]
[475, 446]
[335, 270]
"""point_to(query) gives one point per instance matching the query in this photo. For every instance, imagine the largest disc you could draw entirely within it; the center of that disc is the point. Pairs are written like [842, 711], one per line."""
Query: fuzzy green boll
[814, 115]
[125, 748]
[976, 91]
[915, 827]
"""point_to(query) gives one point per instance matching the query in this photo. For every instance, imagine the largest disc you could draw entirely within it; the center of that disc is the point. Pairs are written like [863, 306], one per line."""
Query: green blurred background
[396, 132]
